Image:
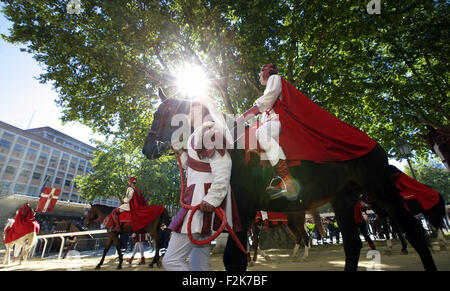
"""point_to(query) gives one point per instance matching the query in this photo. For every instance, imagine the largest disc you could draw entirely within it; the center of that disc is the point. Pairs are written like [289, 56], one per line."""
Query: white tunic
[126, 201]
[219, 177]
[266, 101]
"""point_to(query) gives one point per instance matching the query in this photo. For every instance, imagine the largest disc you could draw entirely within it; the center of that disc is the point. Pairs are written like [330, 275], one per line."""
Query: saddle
[124, 218]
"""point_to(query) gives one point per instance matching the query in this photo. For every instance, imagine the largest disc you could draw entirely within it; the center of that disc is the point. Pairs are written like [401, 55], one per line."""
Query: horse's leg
[115, 238]
[296, 225]
[233, 258]
[388, 198]
[105, 251]
[343, 206]
[155, 232]
[256, 231]
[7, 254]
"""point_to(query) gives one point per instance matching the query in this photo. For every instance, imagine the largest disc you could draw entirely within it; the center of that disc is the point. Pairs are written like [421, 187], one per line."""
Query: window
[33, 190]
[31, 155]
[43, 157]
[18, 150]
[36, 176]
[10, 170]
[63, 165]
[2, 162]
[19, 188]
[5, 146]
[8, 136]
[53, 162]
[24, 175]
[58, 181]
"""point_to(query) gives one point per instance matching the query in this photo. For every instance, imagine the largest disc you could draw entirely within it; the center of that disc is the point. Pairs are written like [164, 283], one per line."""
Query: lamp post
[405, 150]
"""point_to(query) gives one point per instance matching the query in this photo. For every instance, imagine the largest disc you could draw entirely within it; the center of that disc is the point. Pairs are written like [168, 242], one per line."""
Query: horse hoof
[150, 265]
[97, 267]
[119, 268]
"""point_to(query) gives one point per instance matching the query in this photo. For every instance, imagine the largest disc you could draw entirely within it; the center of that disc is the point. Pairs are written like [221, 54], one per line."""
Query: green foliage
[432, 173]
[386, 74]
[114, 162]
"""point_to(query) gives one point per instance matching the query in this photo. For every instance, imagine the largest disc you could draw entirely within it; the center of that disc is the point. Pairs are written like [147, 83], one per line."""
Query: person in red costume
[24, 223]
[134, 201]
[294, 128]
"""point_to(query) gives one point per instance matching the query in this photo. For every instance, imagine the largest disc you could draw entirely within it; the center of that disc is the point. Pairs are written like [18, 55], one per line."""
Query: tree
[431, 173]
[115, 162]
[386, 74]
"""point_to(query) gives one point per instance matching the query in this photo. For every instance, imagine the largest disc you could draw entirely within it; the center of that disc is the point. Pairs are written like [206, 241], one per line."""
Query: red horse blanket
[412, 189]
[140, 213]
[24, 223]
[273, 217]
[311, 133]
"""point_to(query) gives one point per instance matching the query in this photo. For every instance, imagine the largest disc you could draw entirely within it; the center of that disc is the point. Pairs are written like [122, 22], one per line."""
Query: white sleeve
[271, 94]
[221, 171]
[128, 195]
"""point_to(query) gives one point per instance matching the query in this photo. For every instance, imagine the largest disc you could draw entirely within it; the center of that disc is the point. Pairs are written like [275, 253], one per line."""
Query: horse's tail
[165, 218]
[436, 214]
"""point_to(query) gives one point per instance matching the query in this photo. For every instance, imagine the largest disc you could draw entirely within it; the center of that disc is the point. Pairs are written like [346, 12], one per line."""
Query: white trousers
[180, 248]
[267, 136]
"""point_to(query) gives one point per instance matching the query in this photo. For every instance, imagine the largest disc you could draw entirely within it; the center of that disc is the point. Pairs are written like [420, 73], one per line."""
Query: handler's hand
[206, 207]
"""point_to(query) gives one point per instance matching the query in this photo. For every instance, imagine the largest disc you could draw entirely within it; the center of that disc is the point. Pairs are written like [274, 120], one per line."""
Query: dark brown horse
[98, 213]
[296, 228]
[439, 142]
[340, 183]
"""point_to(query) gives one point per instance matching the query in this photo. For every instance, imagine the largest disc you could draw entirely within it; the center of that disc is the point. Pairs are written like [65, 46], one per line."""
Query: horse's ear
[161, 95]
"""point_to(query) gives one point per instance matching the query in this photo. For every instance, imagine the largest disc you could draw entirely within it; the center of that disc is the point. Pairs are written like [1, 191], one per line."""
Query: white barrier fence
[61, 236]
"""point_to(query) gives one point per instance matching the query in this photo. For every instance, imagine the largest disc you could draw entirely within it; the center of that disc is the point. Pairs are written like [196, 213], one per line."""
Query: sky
[26, 103]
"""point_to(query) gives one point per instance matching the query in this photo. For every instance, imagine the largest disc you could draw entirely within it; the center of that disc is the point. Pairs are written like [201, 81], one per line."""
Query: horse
[98, 213]
[24, 244]
[296, 228]
[337, 182]
[438, 141]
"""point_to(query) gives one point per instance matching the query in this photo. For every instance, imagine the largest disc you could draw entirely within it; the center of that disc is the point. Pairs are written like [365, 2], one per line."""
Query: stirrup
[275, 193]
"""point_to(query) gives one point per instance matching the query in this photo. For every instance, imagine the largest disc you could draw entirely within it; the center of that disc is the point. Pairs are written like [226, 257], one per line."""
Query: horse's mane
[103, 208]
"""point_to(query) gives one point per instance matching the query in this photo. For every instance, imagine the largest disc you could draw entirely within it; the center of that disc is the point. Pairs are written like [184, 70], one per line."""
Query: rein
[218, 211]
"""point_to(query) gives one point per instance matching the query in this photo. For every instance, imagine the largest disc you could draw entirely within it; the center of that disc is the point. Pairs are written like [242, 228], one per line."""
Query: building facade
[29, 158]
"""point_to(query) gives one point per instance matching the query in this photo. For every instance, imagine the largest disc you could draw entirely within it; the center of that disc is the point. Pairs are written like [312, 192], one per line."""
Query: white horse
[23, 244]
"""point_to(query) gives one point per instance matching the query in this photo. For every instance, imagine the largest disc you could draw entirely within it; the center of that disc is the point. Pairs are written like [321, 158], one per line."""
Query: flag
[48, 199]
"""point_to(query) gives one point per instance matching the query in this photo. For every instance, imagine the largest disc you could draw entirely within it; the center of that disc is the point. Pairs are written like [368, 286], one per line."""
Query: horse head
[160, 137]
[92, 216]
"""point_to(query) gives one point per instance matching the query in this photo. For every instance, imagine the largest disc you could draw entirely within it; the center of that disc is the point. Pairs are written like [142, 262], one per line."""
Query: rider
[305, 130]
[125, 205]
[267, 134]
[208, 172]
[24, 223]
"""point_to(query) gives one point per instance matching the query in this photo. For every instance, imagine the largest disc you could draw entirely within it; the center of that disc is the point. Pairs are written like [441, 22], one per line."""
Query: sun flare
[192, 81]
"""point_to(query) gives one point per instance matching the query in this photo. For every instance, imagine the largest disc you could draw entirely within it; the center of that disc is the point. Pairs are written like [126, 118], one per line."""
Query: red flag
[48, 199]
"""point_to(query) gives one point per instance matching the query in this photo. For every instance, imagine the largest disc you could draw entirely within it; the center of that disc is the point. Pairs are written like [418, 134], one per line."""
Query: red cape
[24, 223]
[410, 189]
[142, 213]
[311, 133]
